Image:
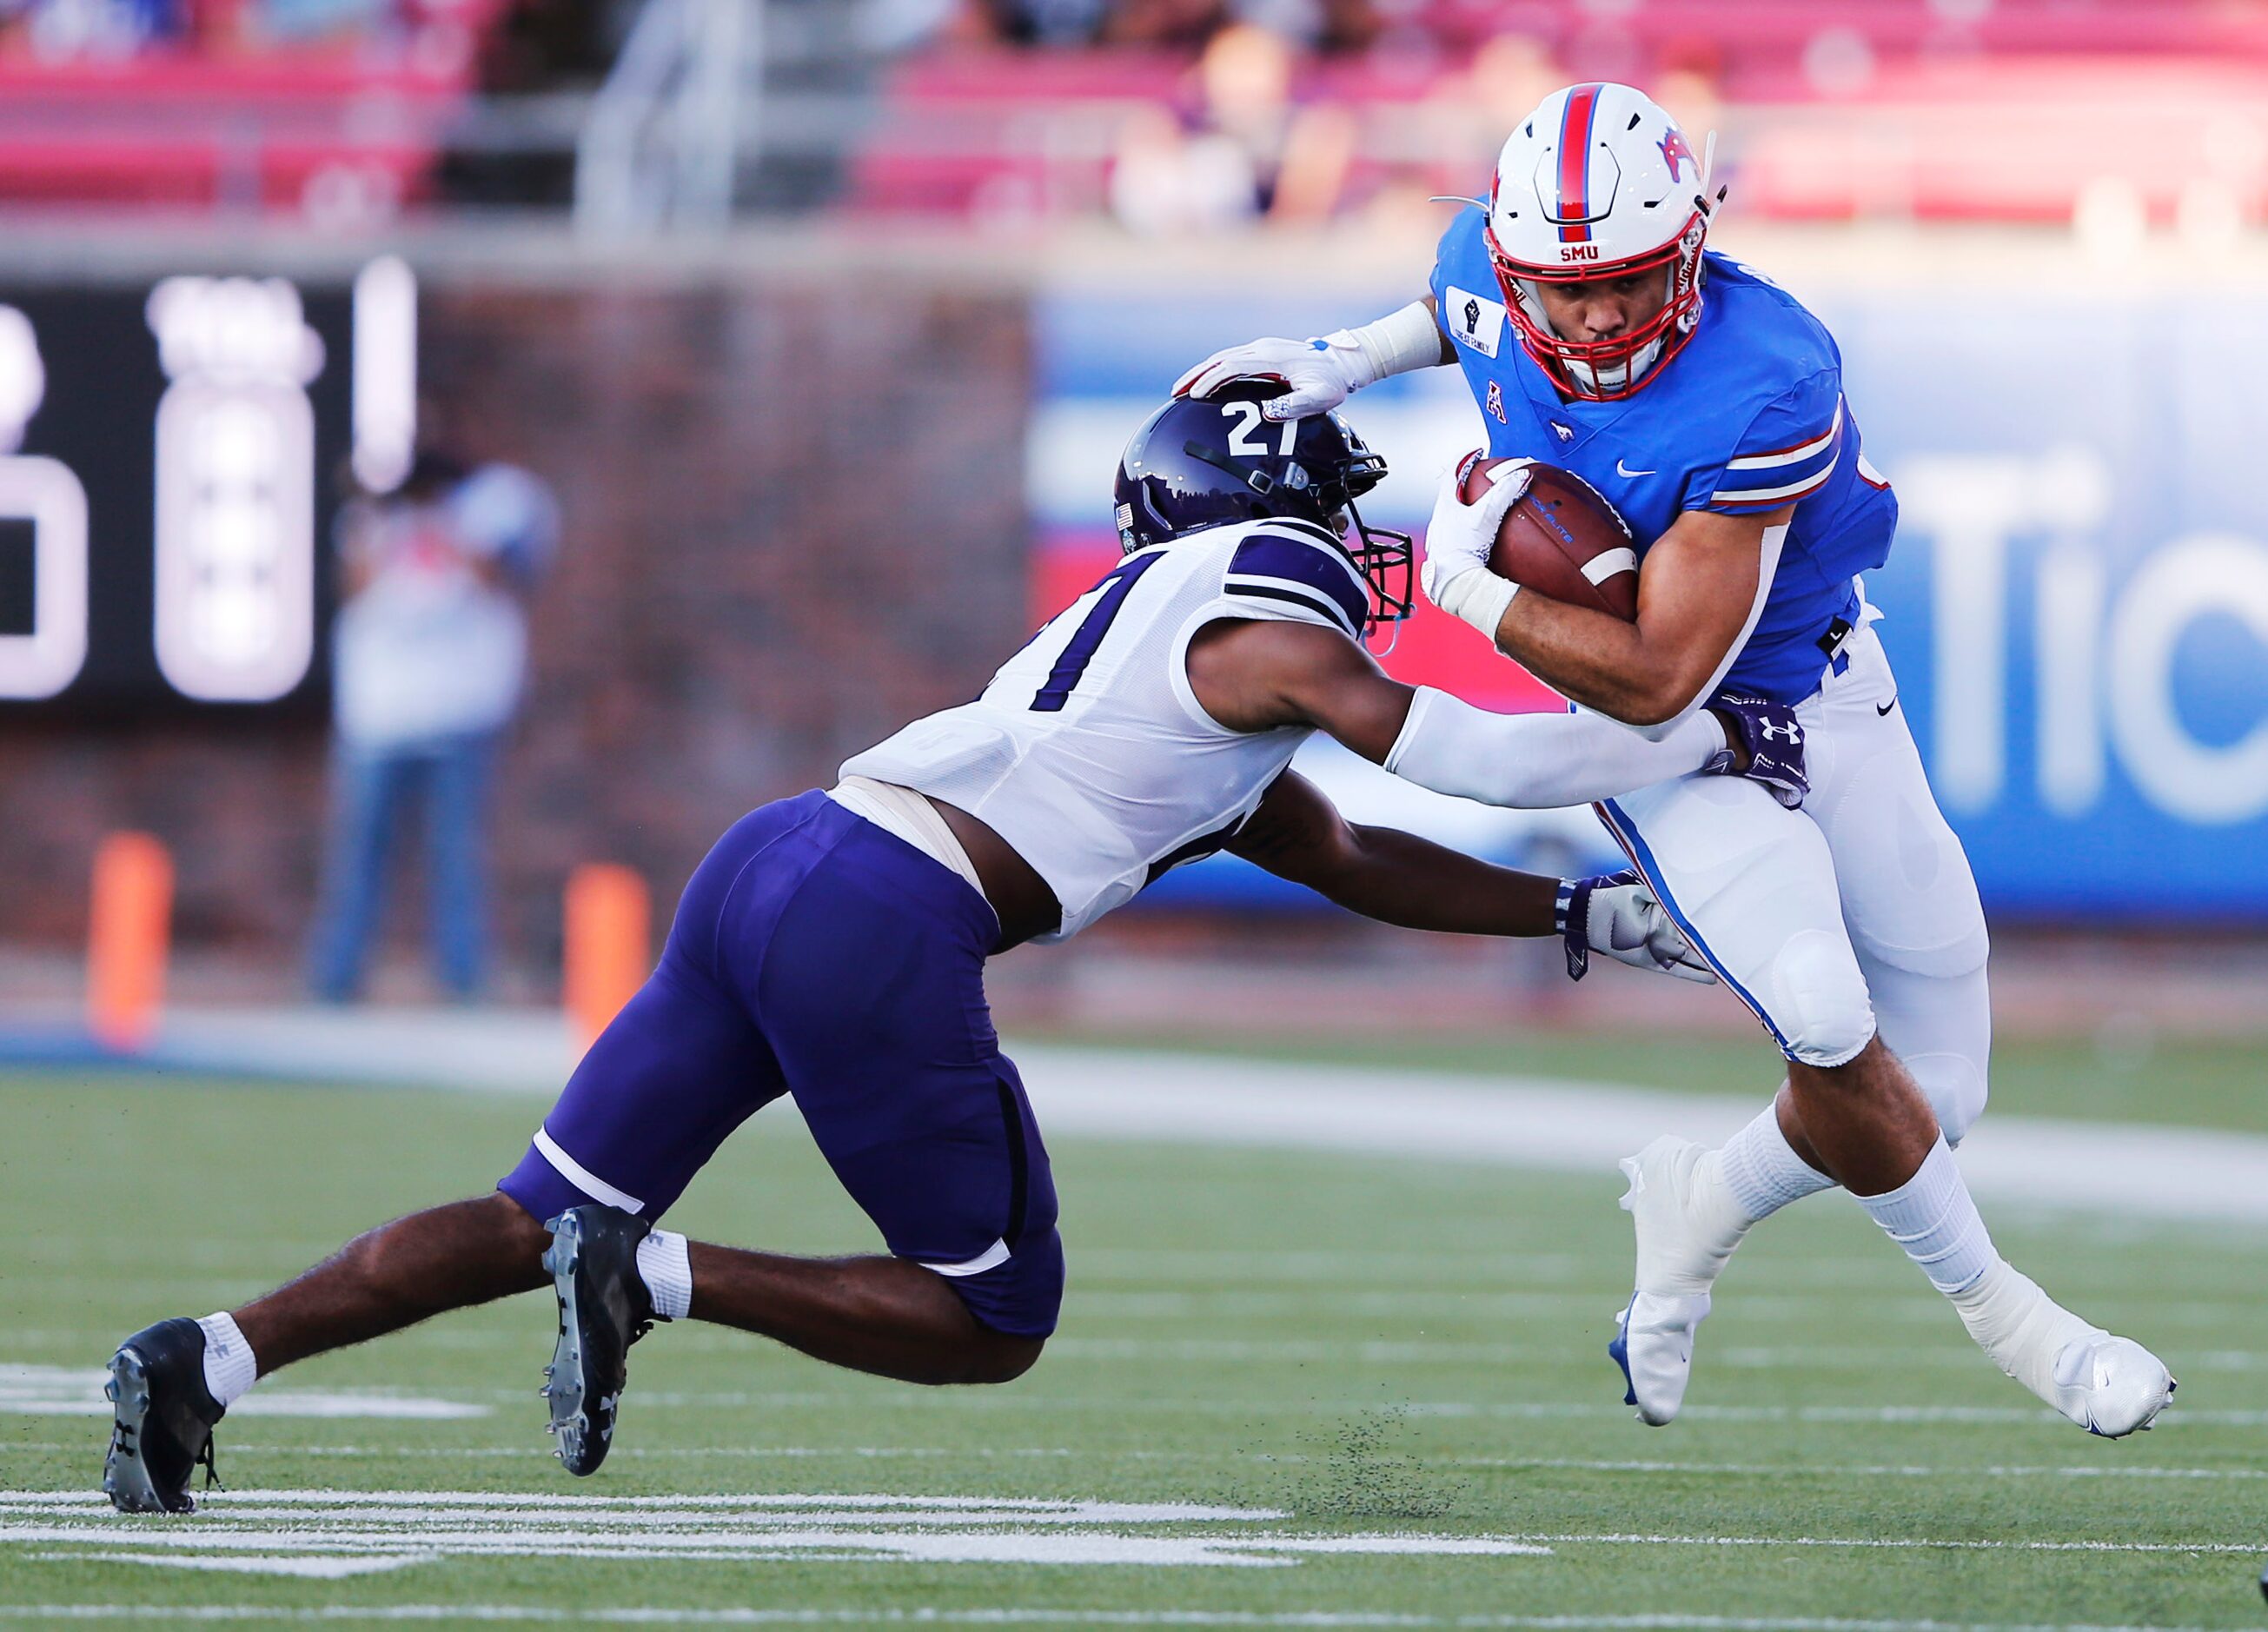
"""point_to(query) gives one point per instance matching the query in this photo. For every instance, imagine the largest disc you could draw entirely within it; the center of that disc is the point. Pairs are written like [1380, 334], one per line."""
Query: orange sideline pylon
[128, 932]
[609, 952]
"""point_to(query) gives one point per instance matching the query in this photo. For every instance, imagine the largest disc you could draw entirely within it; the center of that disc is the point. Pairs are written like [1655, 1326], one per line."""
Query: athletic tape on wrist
[1479, 597]
[1396, 343]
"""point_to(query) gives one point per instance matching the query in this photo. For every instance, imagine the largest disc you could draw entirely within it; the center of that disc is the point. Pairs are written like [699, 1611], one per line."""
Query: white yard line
[1010, 1403]
[414, 1527]
[1021, 1616]
[946, 1453]
[77, 1390]
[1783, 1470]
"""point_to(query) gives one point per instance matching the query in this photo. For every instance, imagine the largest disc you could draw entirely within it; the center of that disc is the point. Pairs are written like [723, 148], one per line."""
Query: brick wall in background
[793, 518]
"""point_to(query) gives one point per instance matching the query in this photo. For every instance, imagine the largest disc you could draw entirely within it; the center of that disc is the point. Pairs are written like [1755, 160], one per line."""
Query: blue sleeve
[1787, 452]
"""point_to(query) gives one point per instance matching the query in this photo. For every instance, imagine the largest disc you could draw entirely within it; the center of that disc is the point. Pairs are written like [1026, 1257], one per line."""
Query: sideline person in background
[428, 654]
[1246, 150]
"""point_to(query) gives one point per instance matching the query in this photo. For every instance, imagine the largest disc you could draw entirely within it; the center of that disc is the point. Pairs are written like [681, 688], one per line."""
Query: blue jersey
[1749, 416]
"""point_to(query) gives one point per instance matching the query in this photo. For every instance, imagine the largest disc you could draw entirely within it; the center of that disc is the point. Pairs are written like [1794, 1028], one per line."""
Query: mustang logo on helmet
[1676, 155]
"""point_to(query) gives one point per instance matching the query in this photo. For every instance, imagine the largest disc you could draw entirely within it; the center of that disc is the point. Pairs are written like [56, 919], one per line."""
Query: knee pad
[1820, 1005]
[1954, 1087]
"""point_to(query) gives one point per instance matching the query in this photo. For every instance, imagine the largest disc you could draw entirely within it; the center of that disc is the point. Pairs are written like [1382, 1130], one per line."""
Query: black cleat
[162, 1420]
[604, 1308]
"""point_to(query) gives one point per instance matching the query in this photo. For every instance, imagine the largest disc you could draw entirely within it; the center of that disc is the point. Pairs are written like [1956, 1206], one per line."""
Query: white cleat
[1654, 1345]
[2110, 1386]
[1686, 1230]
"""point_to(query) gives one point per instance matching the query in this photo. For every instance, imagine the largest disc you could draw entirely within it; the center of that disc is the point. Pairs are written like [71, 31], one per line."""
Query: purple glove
[1771, 737]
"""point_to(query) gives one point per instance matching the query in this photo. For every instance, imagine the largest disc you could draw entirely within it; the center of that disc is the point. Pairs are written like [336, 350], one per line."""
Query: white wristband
[1479, 597]
[1396, 343]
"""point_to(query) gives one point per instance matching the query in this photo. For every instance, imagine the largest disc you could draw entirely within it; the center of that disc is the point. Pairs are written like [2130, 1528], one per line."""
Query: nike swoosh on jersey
[1883, 712]
[1623, 470]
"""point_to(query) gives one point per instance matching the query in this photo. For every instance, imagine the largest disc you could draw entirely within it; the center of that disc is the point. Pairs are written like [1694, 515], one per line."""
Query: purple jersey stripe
[1315, 568]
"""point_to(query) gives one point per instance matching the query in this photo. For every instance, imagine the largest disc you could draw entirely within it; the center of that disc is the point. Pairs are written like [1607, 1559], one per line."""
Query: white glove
[1456, 572]
[1617, 913]
[1318, 374]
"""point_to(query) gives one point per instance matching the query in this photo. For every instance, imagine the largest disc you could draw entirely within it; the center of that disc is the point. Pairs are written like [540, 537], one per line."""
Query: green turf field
[1320, 1391]
[2198, 1082]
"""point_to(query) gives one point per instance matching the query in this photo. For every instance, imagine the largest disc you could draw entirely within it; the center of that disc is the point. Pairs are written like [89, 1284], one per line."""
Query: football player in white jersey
[1597, 334]
[832, 947]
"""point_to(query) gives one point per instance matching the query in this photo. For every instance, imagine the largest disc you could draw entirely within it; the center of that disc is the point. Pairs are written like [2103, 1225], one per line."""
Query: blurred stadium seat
[229, 109]
[1867, 107]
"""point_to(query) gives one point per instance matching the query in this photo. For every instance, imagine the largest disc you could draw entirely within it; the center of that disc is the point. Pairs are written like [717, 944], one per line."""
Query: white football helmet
[1599, 183]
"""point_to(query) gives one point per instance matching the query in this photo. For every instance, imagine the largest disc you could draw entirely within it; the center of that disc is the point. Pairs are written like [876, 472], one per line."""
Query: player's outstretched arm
[1254, 676]
[1318, 375]
[1699, 592]
[1398, 878]
[1393, 877]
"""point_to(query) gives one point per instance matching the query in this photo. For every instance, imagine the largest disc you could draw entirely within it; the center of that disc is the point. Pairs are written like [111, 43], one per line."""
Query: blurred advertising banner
[2077, 605]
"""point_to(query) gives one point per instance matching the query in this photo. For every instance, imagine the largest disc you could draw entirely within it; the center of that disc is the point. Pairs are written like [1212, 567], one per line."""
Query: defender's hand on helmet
[1318, 375]
[1770, 743]
[1617, 913]
[1458, 540]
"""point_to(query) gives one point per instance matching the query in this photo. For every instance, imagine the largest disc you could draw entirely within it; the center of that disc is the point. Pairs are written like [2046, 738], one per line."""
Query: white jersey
[1089, 752]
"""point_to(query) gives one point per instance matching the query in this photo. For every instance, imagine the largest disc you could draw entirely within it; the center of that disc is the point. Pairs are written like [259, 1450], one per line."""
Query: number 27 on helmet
[1202, 462]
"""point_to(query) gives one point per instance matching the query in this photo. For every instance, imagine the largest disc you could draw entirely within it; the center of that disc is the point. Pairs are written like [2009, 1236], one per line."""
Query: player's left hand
[1316, 375]
[1617, 913]
[1770, 740]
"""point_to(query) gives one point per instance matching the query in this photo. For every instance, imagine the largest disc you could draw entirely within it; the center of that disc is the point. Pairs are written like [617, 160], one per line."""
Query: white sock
[1763, 1171]
[667, 1274]
[1932, 1216]
[2013, 1321]
[2019, 1325]
[230, 1369]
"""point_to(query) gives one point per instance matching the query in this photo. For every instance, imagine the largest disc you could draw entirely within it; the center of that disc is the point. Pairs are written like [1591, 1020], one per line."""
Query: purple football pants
[816, 955]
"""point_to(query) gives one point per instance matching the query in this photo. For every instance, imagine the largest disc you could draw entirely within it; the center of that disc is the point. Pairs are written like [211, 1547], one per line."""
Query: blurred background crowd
[676, 279]
[1171, 115]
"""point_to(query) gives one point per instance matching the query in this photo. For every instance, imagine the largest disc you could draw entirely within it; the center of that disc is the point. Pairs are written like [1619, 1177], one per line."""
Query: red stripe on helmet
[1575, 161]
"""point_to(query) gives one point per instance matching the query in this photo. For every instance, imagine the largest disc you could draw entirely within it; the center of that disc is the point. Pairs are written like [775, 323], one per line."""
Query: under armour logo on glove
[1769, 737]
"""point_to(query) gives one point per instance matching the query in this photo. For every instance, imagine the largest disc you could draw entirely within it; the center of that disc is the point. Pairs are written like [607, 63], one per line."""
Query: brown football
[1562, 540]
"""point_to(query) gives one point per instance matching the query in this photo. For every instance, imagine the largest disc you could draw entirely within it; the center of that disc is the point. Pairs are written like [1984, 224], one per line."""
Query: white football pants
[1857, 913]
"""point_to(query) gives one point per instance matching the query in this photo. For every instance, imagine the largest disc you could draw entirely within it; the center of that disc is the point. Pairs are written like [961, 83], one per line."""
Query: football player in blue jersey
[1598, 334]
[832, 947]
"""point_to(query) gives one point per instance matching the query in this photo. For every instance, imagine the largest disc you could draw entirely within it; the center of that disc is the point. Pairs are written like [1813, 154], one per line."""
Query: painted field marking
[1895, 1543]
[1433, 1351]
[340, 1532]
[77, 1390]
[2180, 1416]
[1786, 1471]
[1742, 1470]
[926, 1615]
